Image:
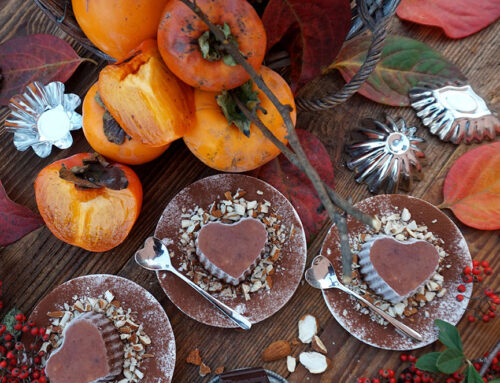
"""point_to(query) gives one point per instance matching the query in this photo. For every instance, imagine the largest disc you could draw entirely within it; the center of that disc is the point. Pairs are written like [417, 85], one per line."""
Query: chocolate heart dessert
[246, 375]
[394, 269]
[231, 251]
[91, 352]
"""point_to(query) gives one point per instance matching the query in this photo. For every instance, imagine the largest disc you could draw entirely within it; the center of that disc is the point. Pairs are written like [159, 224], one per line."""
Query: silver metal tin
[43, 116]
[385, 159]
[454, 112]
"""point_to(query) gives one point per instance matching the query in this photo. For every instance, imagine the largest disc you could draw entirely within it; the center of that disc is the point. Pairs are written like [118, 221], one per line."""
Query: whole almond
[276, 350]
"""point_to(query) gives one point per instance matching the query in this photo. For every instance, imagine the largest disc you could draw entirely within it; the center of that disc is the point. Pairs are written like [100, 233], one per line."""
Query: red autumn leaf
[15, 220]
[296, 186]
[458, 18]
[472, 188]
[41, 57]
[315, 31]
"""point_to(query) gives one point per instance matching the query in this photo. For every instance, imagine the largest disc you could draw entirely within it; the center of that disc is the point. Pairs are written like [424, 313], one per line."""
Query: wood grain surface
[33, 266]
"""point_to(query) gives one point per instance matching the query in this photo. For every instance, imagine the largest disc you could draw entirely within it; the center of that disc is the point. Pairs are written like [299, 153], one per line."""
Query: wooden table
[39, 262]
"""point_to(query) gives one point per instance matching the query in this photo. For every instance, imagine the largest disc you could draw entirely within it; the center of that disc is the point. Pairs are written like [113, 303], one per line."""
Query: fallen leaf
[15, 220]
[404, 63]
[41, 57]
[458, 18]
[472, 188]
[296, 186]
[314, 32]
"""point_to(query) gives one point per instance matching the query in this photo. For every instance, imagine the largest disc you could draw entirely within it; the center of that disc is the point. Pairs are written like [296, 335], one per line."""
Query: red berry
[451, 380]
[460, 297]
[403, 357]
[488, 270]
[375, 380]
[477, 366]
[479, 278]
[467, 278]
[392, 380]
[485, 263]
[471, 318]
[458, 376]
[476, 271]
[34, 331]
[461, 288]
[491, 314]
[488, 292]
[417, 379]
[25, 328]
[412, 358]
[3, 364]
[19, 317]
[496, 301]
[486, 318]
[18, 326]
[7, 337]
[467, 270]
[475, 263]
[10, 355]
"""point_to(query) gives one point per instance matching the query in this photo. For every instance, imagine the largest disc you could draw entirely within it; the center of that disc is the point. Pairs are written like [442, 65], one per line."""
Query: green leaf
[450, 360]
[448, 335]
[230, 109]
[472, 376]
[428, 362]
[9, 320]
[404, 63]
[494, 381]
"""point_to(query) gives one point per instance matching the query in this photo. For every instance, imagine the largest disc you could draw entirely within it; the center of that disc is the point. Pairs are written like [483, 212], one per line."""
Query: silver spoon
[154, 256]
[322, 275]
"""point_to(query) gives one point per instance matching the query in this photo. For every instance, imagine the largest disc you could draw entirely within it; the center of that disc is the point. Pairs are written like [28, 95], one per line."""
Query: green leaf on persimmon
[405, 62]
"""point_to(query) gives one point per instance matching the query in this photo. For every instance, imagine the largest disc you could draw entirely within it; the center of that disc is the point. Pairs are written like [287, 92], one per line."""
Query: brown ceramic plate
[289, 268]
[148, 311]
[446, 308]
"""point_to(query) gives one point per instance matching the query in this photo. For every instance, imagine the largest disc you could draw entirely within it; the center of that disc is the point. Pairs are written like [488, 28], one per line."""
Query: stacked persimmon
[182, 85]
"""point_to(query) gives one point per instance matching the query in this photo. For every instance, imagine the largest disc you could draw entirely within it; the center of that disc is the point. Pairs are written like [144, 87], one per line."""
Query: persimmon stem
[296, 154]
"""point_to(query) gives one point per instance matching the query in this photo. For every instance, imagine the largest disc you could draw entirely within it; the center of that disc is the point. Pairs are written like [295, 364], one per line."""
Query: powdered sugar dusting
[446, 308]
[148, 311]
[288, 269]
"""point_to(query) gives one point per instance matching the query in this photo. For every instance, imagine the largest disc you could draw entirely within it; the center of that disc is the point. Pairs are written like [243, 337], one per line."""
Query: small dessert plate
[446, 308]
[273, 378]
[147, 311]
[289, 267]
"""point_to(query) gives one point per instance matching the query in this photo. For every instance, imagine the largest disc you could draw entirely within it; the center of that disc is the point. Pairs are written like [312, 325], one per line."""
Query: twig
[297, 156]
[487, 363]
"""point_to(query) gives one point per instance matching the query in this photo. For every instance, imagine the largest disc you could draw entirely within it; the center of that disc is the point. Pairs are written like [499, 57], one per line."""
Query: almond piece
[318, 345]
[315, 362]
[291, 363]
[219, 370]
[194, 357]
[276, 350]
[204, 369]
[308, 327]
[56, 314]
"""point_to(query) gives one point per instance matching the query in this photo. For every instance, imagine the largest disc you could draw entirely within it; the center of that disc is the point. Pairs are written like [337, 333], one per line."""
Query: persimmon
[220, 144]
[191, 51]
[118, 26]
[113, 143]
[87, 202]
[145, 98]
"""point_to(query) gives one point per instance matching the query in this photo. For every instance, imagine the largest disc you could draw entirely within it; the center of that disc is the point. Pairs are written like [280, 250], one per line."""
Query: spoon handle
[236, 317]
[399, 325]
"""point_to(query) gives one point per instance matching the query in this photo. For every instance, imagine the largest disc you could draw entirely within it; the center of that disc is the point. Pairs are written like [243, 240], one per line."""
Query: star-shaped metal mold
[43, 116]
[386, 155]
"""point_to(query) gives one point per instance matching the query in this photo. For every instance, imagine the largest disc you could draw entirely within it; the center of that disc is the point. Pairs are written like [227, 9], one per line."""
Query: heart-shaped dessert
[394, 269]
[91, 352]
[230, 251]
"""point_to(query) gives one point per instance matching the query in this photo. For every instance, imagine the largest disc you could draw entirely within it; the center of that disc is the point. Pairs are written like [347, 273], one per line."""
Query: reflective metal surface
[384, 159]
[43, 116]
[455, 113]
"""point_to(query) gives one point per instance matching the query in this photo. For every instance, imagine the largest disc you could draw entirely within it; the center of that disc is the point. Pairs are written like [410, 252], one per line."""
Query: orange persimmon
[118, 26]
[95, 219]
[145, 98]
[223, 146]
[190, 50]
[130, 151]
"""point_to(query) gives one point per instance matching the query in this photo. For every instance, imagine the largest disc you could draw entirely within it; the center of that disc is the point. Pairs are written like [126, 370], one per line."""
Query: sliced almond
[145, 340]
[125, 330]
[276, 351]
[308, 327]
[291, 363]
[204, 369]
[194, 357]
[318, 345]
[315, 362]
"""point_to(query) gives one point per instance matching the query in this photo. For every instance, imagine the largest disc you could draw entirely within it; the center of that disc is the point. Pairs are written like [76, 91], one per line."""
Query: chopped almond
[194, 357]
[204, 369]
